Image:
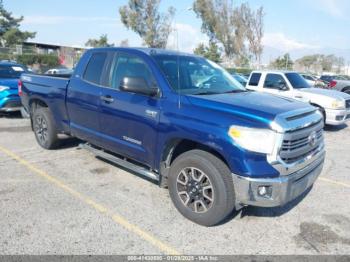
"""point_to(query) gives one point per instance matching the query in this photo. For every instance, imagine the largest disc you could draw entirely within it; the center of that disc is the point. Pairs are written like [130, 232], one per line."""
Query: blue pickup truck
[10, 73]
[185, 122]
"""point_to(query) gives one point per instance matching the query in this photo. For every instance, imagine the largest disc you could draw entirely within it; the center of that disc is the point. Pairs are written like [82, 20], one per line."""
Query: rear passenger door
[83, 99]
[128, 120]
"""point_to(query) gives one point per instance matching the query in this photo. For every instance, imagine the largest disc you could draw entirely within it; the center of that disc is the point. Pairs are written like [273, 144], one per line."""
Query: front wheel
[44, 128]
[201, 187]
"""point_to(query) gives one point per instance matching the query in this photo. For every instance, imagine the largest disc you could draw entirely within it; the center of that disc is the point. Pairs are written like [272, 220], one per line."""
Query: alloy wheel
[195, 189]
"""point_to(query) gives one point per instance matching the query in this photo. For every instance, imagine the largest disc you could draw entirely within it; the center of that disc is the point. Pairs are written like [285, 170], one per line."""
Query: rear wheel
[201, 187]
[44, 128]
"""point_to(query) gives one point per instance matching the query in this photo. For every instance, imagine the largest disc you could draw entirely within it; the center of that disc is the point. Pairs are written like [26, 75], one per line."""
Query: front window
[275, 81]
[297, 81]
[11, 71]
[196, 75]
[125, 65]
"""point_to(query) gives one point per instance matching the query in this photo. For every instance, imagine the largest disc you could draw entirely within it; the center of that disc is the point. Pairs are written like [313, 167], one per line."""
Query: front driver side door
[129, 121]
[276, 84]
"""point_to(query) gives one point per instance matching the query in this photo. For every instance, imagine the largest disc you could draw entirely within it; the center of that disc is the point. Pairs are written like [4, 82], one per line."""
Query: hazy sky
[289, 25]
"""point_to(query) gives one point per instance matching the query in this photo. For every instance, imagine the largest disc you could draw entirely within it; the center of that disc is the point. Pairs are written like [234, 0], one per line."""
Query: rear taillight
[20, 88]
[332, 84]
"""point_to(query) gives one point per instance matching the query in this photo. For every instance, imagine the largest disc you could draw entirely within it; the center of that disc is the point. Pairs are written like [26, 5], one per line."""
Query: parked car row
[314, 81]
[339, 83]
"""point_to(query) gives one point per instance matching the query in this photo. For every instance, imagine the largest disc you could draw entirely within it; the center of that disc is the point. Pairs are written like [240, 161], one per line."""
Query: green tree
[101, 42]
[210, 52]
[144, 18]
[283, 62]
[200, 50]
[10, 34]
[308, 61]
[228, 25]
[254, 28]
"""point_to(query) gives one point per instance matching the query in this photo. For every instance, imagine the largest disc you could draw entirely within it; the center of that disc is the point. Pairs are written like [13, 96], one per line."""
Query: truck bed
[49, 81]
[50, 89]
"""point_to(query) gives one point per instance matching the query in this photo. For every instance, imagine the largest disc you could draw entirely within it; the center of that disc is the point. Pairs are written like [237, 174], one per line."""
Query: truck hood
[12, 83]
[333, 94]
[253, 105]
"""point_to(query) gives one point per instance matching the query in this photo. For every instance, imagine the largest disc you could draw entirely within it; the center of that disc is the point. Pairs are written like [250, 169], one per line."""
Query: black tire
[44, 128]
[346, 90]
[216, 173]
[323, 112]
[24, 113]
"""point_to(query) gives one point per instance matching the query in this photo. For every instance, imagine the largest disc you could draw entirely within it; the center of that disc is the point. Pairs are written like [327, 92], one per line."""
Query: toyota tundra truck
[184, 122]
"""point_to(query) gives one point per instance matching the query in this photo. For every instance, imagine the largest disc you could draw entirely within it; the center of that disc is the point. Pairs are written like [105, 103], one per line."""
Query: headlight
[254, 139]
[338, 104]
[3, 88]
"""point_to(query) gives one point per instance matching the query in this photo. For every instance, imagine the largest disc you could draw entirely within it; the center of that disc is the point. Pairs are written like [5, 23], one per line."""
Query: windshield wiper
[235, 91]
[207, 93]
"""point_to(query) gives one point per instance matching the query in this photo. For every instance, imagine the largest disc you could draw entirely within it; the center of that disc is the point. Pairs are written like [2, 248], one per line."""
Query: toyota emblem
[312, 139]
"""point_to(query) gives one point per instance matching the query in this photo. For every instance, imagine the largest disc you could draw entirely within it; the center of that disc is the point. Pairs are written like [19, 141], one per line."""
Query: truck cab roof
[145, 50]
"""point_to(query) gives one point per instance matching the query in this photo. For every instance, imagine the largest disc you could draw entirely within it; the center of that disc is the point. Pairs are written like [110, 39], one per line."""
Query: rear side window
[254, 79]
[95, 68]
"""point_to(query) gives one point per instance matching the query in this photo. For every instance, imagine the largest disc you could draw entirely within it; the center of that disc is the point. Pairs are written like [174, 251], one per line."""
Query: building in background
[68, 55]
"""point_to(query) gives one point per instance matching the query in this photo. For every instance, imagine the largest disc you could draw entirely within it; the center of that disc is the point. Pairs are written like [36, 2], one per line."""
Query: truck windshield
[196, 75]
[11, 71]
[297, 81]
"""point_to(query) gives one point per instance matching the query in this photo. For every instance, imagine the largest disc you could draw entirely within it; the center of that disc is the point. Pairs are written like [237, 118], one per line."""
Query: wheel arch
[36, 102]
[176, 146]
[345, 88]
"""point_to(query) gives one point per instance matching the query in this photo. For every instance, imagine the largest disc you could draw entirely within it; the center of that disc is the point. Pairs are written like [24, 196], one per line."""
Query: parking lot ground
[66, 201]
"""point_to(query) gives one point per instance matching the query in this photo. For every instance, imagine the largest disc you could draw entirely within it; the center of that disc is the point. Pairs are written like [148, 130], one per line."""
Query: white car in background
[59, 71]
[313, 80]
[334, 105]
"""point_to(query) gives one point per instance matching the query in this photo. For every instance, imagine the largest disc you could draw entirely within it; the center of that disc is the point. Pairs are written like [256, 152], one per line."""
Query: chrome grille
[300, 143]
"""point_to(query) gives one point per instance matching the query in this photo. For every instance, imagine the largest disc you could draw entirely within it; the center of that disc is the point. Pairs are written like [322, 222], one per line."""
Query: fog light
[265, 191]
[339, 118]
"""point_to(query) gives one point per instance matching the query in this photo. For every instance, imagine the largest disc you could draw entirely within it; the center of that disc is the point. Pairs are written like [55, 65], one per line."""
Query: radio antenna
[189, 8]
[178, 68]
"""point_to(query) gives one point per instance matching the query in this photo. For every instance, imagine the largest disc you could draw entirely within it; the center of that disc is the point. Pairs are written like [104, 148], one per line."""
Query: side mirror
[137, 85]
[283, 87]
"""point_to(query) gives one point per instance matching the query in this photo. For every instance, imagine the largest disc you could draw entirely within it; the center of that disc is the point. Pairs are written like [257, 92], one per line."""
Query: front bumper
[10, 104]
[337, 117]
[280, 190]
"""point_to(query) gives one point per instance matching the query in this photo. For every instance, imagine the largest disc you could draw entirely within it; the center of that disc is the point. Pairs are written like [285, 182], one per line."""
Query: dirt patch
[5, 192]
[99, 170]
[339, 220]
[317, 237]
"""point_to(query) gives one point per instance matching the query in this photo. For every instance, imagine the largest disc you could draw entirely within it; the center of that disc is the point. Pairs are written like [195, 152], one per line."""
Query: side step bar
[121, 162]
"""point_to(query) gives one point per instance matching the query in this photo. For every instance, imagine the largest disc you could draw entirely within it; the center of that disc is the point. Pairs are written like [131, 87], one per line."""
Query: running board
[120, 162]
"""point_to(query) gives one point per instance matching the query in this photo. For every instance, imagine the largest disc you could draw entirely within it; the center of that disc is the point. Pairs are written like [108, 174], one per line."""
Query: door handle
[107, 99]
